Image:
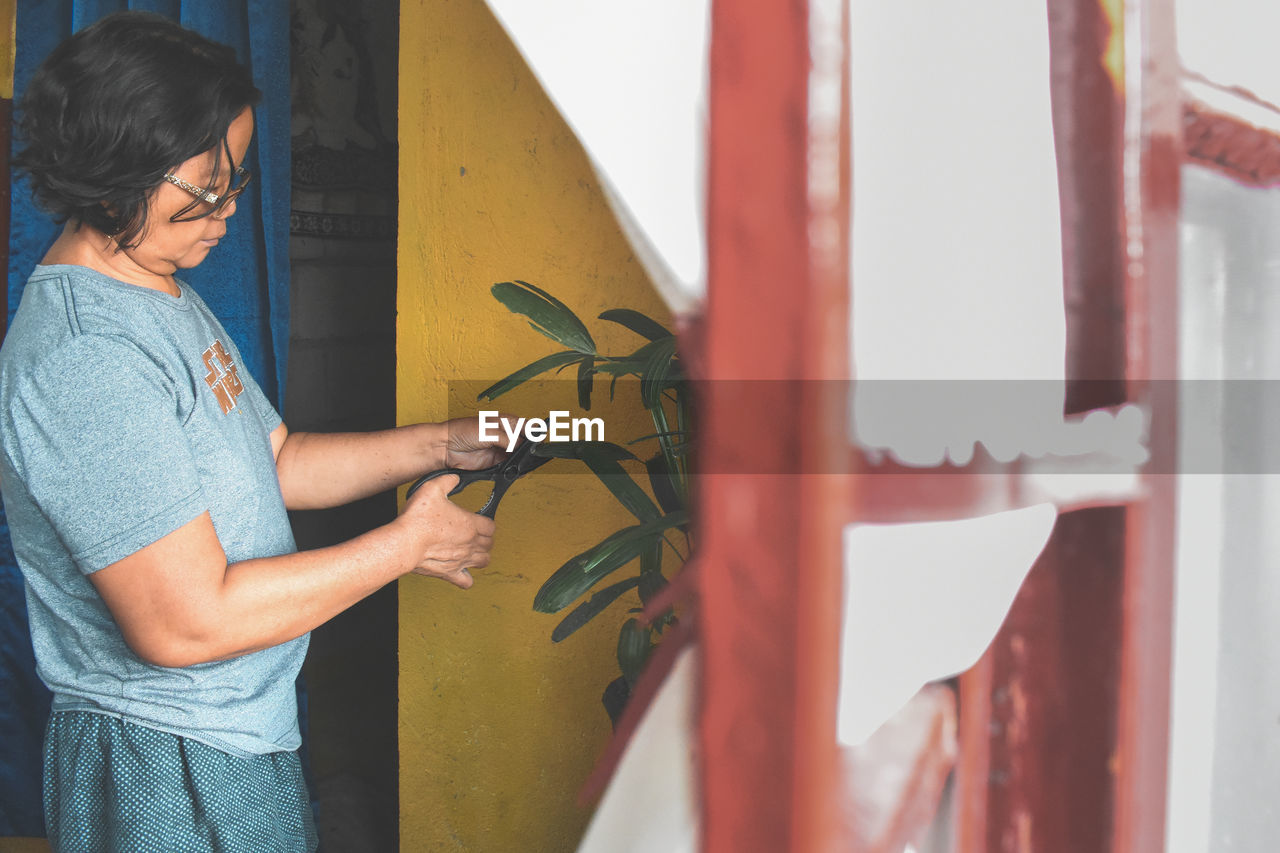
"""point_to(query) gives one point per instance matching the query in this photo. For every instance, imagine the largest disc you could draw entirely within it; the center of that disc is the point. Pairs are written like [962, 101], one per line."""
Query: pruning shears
[518, 463]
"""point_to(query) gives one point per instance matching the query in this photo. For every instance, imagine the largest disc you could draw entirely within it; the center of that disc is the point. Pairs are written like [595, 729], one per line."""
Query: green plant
[661, 521]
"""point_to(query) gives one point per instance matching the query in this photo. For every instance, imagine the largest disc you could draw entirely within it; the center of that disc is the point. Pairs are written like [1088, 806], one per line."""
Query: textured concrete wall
[498, 726]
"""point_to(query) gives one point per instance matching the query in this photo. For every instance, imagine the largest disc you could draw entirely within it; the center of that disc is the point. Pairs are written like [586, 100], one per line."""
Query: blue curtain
[245, 281]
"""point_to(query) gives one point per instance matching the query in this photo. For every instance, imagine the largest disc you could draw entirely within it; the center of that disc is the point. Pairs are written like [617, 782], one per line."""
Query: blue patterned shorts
[118, 787]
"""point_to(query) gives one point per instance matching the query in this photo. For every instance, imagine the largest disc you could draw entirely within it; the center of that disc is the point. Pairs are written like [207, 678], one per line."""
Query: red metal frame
[770, 564]
[1065, 743]
[1039, 711]
[821, 796]
[1154, 144]
[1074, 693]
[1230, 145]
[1065, 721]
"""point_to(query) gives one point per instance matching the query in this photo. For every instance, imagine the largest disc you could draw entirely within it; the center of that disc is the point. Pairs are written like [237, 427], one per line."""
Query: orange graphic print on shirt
[222, 378]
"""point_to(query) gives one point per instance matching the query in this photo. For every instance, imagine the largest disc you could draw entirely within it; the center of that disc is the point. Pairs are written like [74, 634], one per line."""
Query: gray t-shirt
[125, 413]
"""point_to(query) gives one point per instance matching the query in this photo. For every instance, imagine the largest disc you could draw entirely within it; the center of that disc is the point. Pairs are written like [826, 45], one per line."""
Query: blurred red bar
[1154, 155]
[1039, 711]
[770, 546]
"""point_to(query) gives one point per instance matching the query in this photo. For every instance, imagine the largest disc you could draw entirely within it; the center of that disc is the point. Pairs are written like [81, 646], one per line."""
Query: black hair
[115, 107]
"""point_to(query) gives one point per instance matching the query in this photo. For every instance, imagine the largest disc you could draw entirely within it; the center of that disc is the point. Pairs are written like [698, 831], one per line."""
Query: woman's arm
[179, 603]
[322, 470]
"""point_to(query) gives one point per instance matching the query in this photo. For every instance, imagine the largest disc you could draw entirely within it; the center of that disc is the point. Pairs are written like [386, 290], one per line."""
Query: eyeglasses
[217, 201]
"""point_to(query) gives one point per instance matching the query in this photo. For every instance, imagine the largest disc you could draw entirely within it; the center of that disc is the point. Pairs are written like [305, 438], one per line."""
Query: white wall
[1225, 742]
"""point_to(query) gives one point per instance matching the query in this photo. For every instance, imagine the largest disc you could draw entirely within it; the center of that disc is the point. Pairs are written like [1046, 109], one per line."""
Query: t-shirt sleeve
[101, 449]
[254, 393]
[270, 417]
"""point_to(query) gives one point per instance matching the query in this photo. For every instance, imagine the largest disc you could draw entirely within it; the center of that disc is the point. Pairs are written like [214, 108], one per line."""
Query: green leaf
[619, 483]
[662, 483]
[644, 353]
[667, 434]
[586, 569]
[548, 315]
[645, 327]
[602, 458]
[561, 368]
[657, 368]
[633, 649]
[616, 367]
[524, 374]
[651, 579]
[592, 607]
[581, 449]
[615, 698]
[650, 585]
[651, 560]
[583, 571]
[663, 349]
[586, 375]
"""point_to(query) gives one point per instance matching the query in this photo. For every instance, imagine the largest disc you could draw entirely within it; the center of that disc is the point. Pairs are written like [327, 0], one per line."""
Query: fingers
[441, 485]
[450, 540]
[510, 424]
[489, 429]
[507, 424]
[460, 578]
[483, 430]
[485, 526]
[482, 440]
[436, 488]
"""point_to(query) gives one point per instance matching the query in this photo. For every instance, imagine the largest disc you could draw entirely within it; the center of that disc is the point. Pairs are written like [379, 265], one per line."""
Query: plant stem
[682, 416]
[682, 557]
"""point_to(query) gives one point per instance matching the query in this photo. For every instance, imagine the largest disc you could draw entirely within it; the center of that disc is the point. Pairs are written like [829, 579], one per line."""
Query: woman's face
[169, 246]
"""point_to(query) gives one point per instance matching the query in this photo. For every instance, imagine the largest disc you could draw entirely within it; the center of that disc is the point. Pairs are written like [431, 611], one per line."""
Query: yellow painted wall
[8, 24]
[498, 726]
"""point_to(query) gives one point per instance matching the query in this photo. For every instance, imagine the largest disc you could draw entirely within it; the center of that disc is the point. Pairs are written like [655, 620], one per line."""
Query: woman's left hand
[465, 449]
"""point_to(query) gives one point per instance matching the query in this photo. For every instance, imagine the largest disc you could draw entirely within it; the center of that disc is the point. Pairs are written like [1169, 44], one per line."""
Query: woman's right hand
[447, 539]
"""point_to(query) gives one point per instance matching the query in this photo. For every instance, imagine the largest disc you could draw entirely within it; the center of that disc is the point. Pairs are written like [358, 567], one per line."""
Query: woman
[146, 477]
